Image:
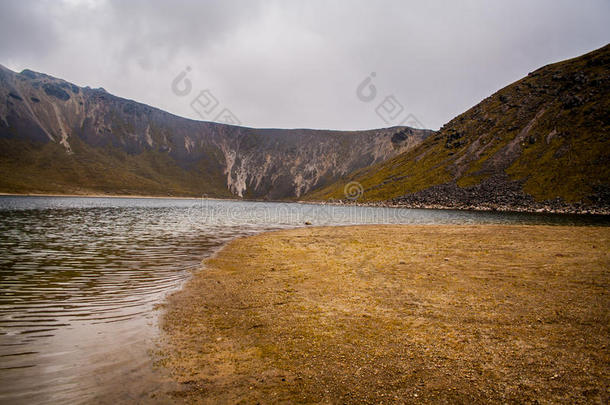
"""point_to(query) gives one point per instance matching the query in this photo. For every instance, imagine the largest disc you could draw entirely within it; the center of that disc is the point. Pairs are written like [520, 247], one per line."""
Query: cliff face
[58, 137]
[542, 142]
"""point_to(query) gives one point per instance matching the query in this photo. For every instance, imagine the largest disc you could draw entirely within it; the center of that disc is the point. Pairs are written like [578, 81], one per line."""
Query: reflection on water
[79, 278]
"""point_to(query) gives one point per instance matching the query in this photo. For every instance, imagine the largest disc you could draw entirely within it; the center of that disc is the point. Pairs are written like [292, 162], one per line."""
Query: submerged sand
[385, 314]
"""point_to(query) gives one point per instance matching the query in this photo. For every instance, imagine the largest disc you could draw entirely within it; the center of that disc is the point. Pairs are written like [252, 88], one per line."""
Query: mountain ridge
[59, 137]
[540, 143]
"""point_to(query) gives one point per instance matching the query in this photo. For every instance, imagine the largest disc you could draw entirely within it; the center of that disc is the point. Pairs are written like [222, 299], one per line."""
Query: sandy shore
[392, 314]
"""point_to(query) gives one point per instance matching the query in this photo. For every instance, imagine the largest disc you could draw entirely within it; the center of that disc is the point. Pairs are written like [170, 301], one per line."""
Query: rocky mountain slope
[541, 143]
[56, 137]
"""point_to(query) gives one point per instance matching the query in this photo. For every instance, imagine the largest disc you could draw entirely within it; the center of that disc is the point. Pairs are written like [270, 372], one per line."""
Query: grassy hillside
[544, 136]
[32, 167]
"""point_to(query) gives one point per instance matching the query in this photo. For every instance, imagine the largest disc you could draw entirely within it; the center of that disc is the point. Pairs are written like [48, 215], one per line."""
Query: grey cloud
[25, 30]
[298, 63]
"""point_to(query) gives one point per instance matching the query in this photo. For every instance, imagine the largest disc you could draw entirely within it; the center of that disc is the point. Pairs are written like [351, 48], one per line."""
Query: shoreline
[346, 314]
[473, 208]
[372, 204]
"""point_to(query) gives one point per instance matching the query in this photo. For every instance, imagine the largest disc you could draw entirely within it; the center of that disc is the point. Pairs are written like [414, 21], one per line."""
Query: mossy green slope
[550, 131]
[32, 167]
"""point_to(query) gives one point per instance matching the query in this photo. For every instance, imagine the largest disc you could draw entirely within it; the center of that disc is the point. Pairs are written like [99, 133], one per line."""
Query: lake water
[80, 279]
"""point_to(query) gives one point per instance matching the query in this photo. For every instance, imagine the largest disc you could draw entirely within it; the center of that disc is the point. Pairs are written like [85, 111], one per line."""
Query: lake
[81, 278]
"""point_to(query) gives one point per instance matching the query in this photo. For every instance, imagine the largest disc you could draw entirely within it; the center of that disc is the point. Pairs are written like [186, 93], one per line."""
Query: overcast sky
[299, 63]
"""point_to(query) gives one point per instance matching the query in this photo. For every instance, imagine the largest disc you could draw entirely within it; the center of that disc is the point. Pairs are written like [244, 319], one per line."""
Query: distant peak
[29, 73]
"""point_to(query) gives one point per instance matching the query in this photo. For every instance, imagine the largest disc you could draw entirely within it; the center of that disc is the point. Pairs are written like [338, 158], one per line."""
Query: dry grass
[384, 314]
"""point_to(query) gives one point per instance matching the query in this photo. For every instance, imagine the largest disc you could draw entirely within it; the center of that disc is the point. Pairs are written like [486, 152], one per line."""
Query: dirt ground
[397, 314]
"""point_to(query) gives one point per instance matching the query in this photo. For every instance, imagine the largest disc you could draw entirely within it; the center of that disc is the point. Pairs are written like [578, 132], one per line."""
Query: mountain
[56, 137]
[541, 143]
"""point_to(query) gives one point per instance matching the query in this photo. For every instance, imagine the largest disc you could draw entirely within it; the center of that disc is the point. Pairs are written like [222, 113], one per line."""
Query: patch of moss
[47, 168]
